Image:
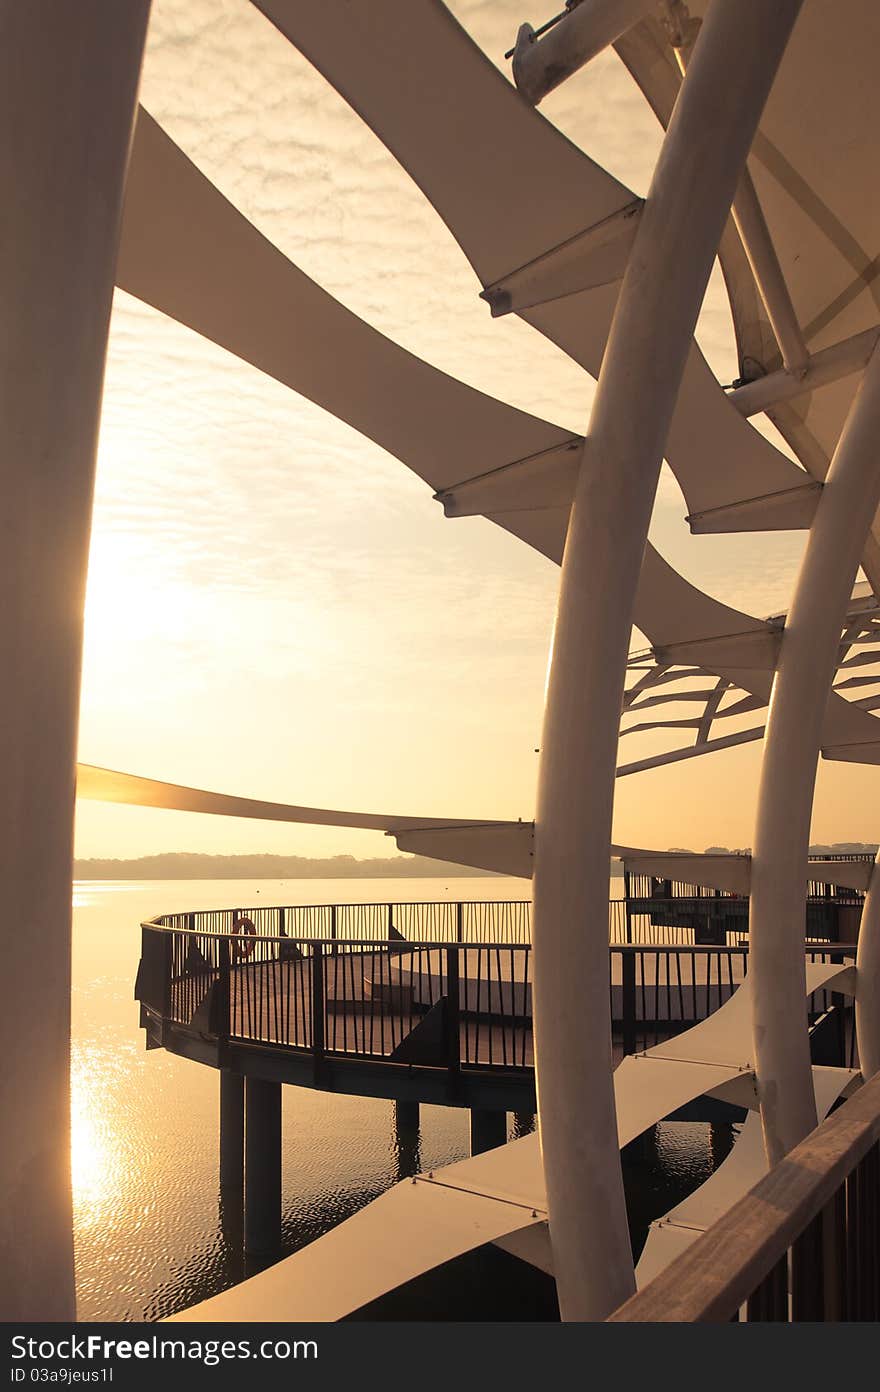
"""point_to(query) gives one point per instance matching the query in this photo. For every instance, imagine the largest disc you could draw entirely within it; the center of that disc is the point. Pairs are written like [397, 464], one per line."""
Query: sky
[276, 607]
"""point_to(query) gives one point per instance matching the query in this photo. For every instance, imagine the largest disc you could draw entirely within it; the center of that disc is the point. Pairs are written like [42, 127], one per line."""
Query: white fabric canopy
[739, 1172]
[186, 250]
[392, 62]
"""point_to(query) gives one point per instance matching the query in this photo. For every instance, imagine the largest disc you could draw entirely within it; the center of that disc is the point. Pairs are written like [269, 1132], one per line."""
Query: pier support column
[262, 1173]
[523, 1124]
[68, 88]
[704, 151]
[406, 1138]
[406, 1116]
[488, 1129]
[232, 1168]
[231, 1135]
[801, 687]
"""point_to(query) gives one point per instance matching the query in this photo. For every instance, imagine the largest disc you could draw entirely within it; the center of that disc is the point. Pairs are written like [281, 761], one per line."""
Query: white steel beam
[789, 509]
[755, 650]
[540, 64]
[693, 751]
[545, 479]
[828, 365]
[597, 256]
[703, 154]
[748, 216]
[807, 660]
[68, 87]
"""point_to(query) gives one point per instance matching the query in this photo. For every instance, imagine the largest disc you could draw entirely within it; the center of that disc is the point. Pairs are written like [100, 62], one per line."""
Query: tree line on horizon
[196, 865]
[818, 849]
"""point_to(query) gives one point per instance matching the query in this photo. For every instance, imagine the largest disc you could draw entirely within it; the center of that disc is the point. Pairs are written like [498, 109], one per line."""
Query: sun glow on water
[98, 1150]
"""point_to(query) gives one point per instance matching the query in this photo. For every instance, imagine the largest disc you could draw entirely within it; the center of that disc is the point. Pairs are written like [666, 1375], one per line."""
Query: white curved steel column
[68, 87]
[868, 980]
[801, 689]
[704, 150]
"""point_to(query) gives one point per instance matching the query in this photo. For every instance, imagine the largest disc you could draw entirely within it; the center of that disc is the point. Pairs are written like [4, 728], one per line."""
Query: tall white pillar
[68, 85]
[868, 980]
[705, 148]
[807, 661]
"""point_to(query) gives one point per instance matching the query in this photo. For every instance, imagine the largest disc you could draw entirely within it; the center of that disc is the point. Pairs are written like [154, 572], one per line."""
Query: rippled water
[151, 1236]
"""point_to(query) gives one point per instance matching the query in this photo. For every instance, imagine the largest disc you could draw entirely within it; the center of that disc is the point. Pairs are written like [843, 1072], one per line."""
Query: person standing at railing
[288, 951]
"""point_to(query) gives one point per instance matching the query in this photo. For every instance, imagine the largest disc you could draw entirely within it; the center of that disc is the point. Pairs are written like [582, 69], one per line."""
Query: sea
[151, 1234]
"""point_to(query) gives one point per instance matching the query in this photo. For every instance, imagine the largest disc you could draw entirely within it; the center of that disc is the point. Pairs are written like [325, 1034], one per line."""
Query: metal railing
[456, 1004]
[478, 921]
[803, 1245]
[676, 920]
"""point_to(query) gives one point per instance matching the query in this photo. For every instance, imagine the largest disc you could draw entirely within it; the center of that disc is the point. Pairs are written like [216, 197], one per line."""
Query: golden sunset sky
[276, 607]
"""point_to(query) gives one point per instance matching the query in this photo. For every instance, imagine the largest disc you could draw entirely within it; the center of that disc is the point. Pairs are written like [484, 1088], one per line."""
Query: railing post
[168, 964]
[459, 922]
[333, 927]
[628, 1001]
[317, 1004]
[282, 927]
[627, 891]
[222, 1021]
[453, 1011]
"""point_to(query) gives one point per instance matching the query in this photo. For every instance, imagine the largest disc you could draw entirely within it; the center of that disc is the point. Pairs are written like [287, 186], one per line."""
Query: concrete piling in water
[406, 1138]
[231, 1136]
[262, 1173]
[488, 1129]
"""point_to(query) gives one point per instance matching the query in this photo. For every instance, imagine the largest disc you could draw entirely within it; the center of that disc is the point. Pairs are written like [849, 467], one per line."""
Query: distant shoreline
[192, 866]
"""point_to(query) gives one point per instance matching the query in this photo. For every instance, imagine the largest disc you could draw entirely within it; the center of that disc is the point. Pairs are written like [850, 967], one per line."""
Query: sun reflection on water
[98, 1159]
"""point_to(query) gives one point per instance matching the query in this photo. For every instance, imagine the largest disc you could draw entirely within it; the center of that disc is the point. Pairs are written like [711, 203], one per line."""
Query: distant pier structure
[430, 1002]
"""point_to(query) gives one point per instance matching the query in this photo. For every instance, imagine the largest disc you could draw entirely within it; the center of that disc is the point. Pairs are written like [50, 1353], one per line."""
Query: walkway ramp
[495, 1197]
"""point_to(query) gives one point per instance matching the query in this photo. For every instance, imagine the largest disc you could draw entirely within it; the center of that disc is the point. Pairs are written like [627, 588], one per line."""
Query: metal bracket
[789, 509]
[597, 256]
[542, 480]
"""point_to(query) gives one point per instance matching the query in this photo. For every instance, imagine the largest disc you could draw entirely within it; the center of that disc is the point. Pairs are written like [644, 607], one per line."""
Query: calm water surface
[151, 1236]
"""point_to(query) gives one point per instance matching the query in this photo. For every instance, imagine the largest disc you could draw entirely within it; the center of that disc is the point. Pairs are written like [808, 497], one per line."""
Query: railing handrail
[376, 904]
[397, 944]
[715, 1276]
[656, 901]
[816, 945]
